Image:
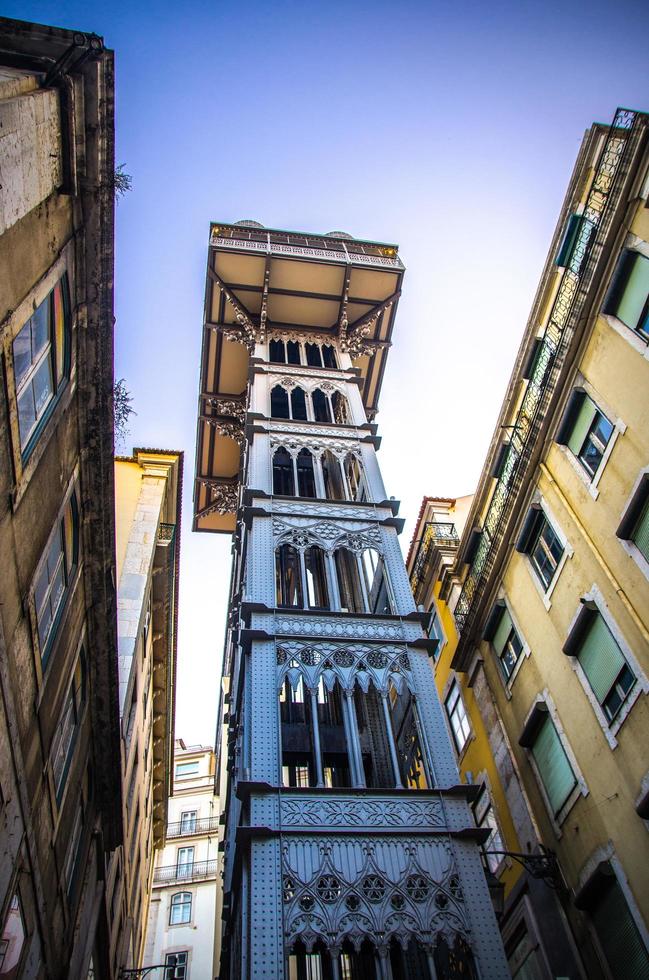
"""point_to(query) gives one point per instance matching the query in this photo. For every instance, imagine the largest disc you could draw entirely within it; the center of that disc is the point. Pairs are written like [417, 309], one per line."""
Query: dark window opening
[277, 352]
[340, 408]
[332, 476]
[316, 578]
[375, 748]
[305, 474]
[298, 405]
[321, 409]
[376, 583]
[313, 355]
[355, 480]
[292, 352]
[329, 356]
[349, 582]
[288, 581]
[279, 403]
[283, 479]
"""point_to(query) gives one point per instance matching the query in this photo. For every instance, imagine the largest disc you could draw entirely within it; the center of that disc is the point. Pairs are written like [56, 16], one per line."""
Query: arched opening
[321, 407]
[279, 407]
[405, 728]
[340, 409]
[378, 764]
[313, 355]
[376, 583]
[315, 569]
[333, 739]
[329, 356]
[359, 964]
[283, 479]
[298, 405]
[276, 352]
[295, 716]
[288, 580]
[332, 477]
[305, 474]
[354, 476]
[292, 352]
[349, 581]
[409, 962]
[454, 962]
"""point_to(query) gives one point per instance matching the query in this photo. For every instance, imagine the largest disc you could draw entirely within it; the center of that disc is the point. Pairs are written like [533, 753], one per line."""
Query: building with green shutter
[550, 586]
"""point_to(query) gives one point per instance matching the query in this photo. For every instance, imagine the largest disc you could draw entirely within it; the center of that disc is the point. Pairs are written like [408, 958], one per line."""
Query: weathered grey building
[350, 850]
[60, 784]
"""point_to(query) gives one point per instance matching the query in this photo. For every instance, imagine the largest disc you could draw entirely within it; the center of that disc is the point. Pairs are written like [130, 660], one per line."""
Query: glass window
[176, 965]
[355, 481]
[305, 474]
[181, 908]
[435, 632]
[376, 582]
[40, 356]
[74, 850]
[283, 478]
[185, 862]
[640, 533]
[546, 551]
[65, 735]
[340, 409]
[288, 580]
[628, 298]
[457, 716]
[485, 817]
[507, 644]
[55, 574]
[588, 431]
[349, 581]
[13, 939]
[553, 765]
[276, 352]
[606, 670]
[184, 769]
[188, 821]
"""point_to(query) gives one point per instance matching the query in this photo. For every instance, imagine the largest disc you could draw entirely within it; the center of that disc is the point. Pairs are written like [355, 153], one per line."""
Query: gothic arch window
[332, 477]
[333, 736]
[313, 355]
[283, 476]
[409, 962]
[288, 578]
[292, 352]
[279, 403]
[375, 742]
[298, 405]
[329, 356]
[340, 408]
[315, 569]
[405, 728]
[349, 581]
[277, 352]
[376, 583]
[321, 406]
[355, 478]
[305, 474]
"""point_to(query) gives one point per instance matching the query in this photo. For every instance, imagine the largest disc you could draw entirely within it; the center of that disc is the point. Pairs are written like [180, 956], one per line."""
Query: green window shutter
[583, 422]
[600, 658]
[502, 632]
[641, 532]
[553, 765]
[569, 241]
[618, 935]
[631, 300]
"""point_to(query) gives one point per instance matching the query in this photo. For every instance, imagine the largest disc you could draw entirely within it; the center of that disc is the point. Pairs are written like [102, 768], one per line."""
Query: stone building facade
[553, 567]
[350, 849]
[182, 913]
[60, 787]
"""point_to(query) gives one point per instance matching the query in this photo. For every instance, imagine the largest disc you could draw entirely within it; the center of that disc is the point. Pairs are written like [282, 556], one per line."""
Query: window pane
[546, 553]
[618, 934]
[600, 658]
[22, 351]
[640, 535]
[632, 301]
[276, 353]
[596, 442]
[298, 404]
[583, 422]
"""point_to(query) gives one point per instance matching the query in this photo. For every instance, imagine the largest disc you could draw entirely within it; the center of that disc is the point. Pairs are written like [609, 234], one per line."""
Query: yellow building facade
[553, 567]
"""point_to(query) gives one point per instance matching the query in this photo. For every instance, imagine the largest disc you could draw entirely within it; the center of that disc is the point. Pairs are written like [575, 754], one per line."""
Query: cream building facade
[554, 563]
[183, 908]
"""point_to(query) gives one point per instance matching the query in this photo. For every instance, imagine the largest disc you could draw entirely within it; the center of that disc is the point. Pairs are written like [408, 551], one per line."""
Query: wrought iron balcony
[192, 828]
[166, 534]
[438, 538]
[194, 871]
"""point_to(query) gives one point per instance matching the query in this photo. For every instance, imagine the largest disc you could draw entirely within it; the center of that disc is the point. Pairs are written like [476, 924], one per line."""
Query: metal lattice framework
[565, 314]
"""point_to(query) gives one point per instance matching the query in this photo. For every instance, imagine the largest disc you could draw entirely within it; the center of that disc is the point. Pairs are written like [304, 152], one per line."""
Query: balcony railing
[196, 871]
[191, 828]
[438, 537]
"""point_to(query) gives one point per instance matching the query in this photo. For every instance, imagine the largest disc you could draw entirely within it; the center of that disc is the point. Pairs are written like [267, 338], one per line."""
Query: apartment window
[176, 966]
[435, 632]
[505, 641]
[180, 910]
[184, 861]
[485, 817]
[188, 821]
[457, 717]
[573, 248]
[12, 941]
[635, 523]
[72, 859]
[586, 431]
[65, 736]
[607, 672]
[186, 769]
[55, 573]
[41, 358]
[541, 542]
[552, 764]
[628, 297]
[618, 939]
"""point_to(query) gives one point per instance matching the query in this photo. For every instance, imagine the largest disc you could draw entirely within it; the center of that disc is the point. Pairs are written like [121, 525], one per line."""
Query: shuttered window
[628, 299]
[586, 431]
[605, 668]
[618, 934]
[507, 644]
[553, 765]
[640, 536]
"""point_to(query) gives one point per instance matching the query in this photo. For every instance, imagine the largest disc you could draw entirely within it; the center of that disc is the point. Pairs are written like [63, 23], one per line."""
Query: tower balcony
[439, 540]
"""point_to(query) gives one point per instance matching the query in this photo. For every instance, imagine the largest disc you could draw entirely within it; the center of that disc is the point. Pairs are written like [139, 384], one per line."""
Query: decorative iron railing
[566, 312]
[190, 828]
[436, 534]
[301, 247]
[192, 871]
[166, 534]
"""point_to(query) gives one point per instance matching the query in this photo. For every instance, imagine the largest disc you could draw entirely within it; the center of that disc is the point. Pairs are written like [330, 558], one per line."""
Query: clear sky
[449, 128]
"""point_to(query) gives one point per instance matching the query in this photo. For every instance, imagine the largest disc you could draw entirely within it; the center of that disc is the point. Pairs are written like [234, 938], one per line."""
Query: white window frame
[580, 788]
[609, 729]
[629, 546]
[459, 751]
[634, 244]
[568, 552]
[619, 428]
[508, 682]
[173, 925]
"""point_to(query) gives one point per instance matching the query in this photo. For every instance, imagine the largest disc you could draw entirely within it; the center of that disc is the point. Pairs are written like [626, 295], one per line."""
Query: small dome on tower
[339, 234]
[247, 223]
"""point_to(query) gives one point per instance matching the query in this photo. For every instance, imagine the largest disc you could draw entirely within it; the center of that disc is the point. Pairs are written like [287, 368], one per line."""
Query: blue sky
[450, 128]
